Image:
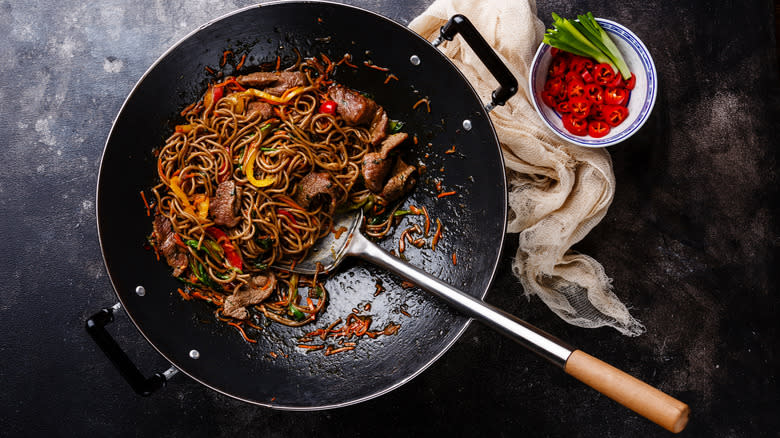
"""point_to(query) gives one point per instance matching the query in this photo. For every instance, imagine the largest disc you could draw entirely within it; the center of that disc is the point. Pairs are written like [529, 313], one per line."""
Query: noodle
[224, 140]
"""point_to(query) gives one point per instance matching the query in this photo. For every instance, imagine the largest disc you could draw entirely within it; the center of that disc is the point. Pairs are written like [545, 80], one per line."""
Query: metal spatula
[632, 393]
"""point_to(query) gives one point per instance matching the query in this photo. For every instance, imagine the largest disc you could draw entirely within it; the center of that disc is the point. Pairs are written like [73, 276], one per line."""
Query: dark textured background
[691, 241]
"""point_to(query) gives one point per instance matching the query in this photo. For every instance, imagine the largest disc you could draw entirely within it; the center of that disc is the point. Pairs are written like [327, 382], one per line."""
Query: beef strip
[264, 109]
[175, 255]
[254, 292]
[378, 128]
[376, 165]
[225, 205]
[352, 106]
[317, 189]
[403, 179]
[275, 83]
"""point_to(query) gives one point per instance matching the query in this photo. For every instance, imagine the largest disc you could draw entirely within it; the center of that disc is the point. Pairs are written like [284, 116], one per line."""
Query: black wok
[186, 332]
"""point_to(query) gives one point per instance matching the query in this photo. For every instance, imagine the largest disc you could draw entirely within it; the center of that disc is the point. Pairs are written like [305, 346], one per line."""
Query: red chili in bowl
[591, 98]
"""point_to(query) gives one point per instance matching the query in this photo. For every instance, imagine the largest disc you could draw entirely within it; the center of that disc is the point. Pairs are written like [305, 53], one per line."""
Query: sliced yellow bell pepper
[249, 170]
[175, 182]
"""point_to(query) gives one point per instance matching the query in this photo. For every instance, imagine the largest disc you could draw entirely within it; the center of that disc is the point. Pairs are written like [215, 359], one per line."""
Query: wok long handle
[96, 327]
[629, 391]
[507, 83]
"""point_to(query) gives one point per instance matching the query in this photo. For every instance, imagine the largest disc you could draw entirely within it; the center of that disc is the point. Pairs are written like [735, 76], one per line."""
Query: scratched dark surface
[691, 242]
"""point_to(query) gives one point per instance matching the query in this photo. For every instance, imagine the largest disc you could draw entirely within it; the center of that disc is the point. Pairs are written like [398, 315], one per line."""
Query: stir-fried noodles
[253, 178]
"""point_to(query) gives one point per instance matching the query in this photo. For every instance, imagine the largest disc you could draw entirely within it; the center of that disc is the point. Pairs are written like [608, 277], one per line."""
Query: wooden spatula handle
[656, 406]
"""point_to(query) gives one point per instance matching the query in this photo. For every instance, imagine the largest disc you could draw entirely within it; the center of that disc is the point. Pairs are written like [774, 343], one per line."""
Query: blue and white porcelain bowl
[641, 101]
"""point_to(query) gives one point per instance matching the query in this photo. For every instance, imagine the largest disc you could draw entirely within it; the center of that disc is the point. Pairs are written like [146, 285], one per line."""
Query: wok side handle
[507, 84]
[96, 327]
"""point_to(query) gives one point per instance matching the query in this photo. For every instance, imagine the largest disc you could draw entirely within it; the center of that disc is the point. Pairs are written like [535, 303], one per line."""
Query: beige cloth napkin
[557, 191]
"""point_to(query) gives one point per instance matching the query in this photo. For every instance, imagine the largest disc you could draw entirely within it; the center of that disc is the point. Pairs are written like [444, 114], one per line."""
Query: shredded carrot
[241, 63]
[436, 235]
[178, 240]
[274, 355]
[454, 259]
[183, 294]
[148, 209]
[415, 138]
[438, 185]
[210, 71]
[391, 76]
[374, 66]
[278, 62]
[337, 233]
[224, 57]
[345, 60]
[243, 333]
[367, 307]
[427, 220]
[407, 284]
[415, 210]
[443, 194]
[311, 347]
[450, 150]
[421, 101]
[330, 350]
[404, 312]
[379, 289]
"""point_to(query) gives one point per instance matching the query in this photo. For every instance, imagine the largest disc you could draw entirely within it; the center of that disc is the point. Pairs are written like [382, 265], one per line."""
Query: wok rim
[381, 391]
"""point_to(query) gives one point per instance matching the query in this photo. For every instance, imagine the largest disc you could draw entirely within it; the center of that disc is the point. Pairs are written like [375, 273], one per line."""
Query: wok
[273, 371]
[215, 354]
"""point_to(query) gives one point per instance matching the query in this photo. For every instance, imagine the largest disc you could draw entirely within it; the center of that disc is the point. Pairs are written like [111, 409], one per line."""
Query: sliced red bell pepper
[233, 257]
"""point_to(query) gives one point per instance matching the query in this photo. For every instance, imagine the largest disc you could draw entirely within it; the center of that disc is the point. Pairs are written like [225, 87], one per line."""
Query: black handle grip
[96, 326]
[507, 84]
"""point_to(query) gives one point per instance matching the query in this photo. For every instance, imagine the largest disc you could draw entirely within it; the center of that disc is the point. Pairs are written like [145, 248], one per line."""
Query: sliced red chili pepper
[594, 93]
[575, 126]
[548, 99]
[631, 82]
[598, 129]
[603, 73]
[587, 77]
[580, 107]
[558, 66]
[575, 88]
[563, 106]
[596, 111]
[579, 63]
[555, 86]
[554, 51]
[328, 107]
[615, 114]
[617, 81]
[615, 96]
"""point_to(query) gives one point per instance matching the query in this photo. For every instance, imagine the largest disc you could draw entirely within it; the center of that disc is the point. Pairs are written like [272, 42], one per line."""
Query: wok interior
[473, 219]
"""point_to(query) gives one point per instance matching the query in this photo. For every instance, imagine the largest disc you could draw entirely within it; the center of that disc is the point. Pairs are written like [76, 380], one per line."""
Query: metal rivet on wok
[415, 60]
[467, 125]
[140, 291]
[194, 354]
